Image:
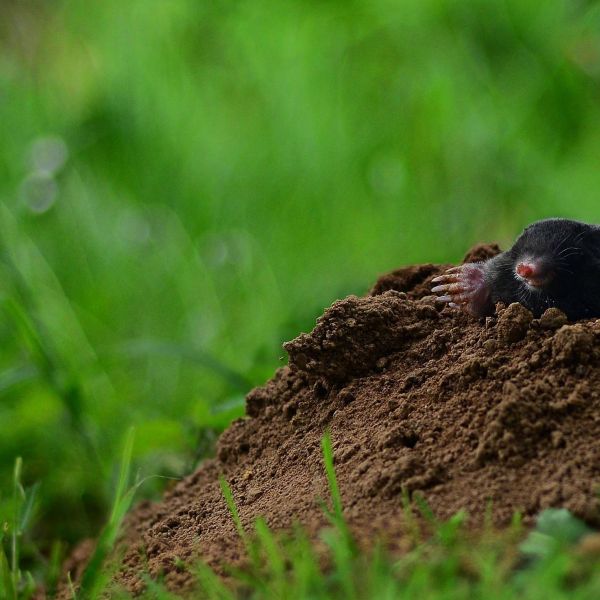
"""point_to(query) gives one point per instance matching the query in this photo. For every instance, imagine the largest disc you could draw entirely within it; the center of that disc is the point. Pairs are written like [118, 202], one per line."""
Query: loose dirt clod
[418, 397]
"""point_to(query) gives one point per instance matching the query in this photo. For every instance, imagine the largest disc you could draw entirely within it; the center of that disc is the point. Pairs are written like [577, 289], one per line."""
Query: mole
[553, 263]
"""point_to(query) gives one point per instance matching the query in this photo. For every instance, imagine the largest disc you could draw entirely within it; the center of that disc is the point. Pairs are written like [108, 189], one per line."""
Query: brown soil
[418, 397]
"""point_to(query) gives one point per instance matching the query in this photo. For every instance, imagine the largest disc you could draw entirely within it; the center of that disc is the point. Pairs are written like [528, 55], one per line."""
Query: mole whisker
[575, 253]
[573, 249]
[564, 239]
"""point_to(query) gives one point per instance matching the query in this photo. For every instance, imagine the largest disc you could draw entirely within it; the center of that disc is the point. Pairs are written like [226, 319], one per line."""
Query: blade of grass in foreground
[95, 577]
[14, 582]
[273, 553]
[235, 515]
[18, 496]
[7, 588]
[340, 540]
[212, 585]
[334, 490]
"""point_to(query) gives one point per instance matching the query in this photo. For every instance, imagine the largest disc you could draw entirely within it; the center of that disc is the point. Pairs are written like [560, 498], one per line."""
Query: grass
[184, 185]
[96, 576]
[14, 582]
[445, 561]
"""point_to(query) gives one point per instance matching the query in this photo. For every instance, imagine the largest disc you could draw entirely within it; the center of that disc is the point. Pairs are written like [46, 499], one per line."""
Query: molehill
[418, 397]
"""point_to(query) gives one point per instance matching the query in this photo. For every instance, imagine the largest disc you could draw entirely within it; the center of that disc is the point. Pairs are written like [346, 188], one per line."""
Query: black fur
[569, 251]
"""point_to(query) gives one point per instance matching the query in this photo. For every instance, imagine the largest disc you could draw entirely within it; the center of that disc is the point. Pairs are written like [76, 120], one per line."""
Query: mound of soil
[418, 397]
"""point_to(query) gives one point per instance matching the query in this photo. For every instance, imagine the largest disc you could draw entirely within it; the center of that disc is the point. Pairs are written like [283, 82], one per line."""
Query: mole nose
[527, 270]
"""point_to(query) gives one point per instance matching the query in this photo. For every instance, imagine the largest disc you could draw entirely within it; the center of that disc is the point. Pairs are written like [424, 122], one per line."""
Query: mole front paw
[465, 287]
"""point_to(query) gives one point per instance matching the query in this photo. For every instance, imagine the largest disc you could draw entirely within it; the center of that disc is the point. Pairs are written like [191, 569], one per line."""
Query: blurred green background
[186, 184]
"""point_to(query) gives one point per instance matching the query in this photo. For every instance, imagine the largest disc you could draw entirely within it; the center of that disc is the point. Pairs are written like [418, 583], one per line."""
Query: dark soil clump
[418, 398]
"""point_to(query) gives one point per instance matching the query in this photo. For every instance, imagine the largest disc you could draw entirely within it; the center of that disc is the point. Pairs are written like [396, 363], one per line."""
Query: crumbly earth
[418, 397]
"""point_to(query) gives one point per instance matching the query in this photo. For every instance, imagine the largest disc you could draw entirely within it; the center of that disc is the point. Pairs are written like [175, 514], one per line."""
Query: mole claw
[446, 279]
[463, 287]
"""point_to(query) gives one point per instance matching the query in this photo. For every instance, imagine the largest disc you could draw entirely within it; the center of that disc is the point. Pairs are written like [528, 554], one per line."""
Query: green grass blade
[251, 548]
[233, 510]
[341, 542]
[271, 548]
[275, 572]
[8, 589]
[212, 584]
[95, 576]
[425, 510]
[334, 489]
[18, 499]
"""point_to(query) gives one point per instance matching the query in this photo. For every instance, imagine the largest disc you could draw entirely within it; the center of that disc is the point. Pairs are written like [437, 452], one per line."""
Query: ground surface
[418, 397]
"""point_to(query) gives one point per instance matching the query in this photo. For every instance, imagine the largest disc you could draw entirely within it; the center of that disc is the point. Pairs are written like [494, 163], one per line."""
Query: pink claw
[464, 287]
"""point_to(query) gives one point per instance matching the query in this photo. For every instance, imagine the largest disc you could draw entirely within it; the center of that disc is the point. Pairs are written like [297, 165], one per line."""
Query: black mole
[553, 263]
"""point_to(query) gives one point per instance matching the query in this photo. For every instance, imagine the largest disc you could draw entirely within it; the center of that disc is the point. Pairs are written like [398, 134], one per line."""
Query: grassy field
[558, 559]
[184, 185]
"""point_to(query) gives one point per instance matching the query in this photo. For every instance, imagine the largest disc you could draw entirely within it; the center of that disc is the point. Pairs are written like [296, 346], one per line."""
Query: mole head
[548, 254]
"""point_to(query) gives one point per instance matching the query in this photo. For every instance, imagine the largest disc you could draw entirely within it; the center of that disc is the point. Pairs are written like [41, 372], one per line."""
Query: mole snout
[526, 270]
[554, 263]
[535, 273]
